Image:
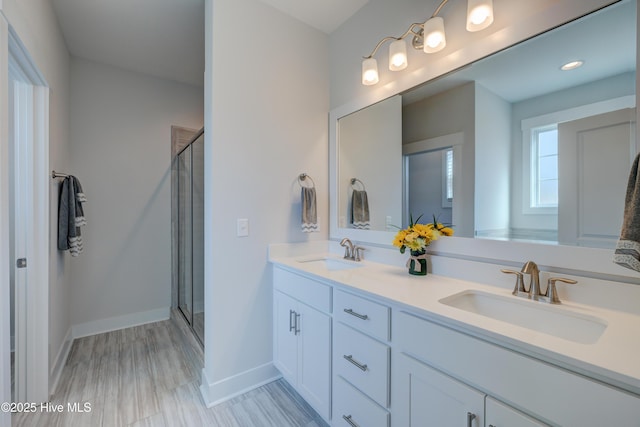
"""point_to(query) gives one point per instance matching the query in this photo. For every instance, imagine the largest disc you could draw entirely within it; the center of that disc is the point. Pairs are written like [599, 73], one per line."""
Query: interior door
[29, 185]
[596, 154]
[20, 171]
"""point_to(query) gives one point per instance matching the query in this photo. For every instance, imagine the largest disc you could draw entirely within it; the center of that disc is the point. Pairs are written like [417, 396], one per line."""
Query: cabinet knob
[470, 418]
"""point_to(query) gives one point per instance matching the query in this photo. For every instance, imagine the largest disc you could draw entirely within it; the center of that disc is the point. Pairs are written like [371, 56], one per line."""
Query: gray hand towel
[360, 210]
[309, 210]
[627, 252]
[71, 216]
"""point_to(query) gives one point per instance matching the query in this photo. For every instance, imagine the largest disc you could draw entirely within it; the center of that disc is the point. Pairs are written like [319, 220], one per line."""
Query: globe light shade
[398, 55]
[433, 36]
[479, 14]
[369, 71]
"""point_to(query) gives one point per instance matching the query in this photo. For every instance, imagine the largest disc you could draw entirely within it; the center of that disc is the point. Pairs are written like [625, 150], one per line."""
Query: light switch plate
[242, 227]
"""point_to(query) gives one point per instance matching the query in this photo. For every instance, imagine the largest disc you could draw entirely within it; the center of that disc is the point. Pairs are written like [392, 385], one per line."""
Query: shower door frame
[176, 244]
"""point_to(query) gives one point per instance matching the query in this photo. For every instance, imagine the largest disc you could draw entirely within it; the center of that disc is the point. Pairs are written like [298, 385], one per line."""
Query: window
[544, 167]
[447, 178]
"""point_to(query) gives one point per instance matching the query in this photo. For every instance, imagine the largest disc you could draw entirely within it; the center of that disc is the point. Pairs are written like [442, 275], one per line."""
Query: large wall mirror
[510, 147]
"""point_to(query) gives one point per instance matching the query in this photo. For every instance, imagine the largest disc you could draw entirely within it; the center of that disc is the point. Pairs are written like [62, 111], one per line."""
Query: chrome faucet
[351, 251]
[531, 268]
[534, 292]
[348, 248]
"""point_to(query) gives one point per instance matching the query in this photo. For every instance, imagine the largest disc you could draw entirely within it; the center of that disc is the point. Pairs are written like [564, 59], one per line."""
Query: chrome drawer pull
[470, 418]
[350, 359]
[292, 326]
[358, 315]
[349, 419]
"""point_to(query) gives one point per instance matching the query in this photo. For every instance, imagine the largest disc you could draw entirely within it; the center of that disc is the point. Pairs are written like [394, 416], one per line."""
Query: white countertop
[614, 358]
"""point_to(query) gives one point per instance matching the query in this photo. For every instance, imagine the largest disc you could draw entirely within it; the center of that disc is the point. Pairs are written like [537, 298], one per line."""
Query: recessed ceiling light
[571, 65]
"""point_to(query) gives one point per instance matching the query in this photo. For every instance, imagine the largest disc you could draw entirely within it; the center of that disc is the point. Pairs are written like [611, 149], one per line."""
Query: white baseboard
[120, 322]
[228, 388]
[61, 360]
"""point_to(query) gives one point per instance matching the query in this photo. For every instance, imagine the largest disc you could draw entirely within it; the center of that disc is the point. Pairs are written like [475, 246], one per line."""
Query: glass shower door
[191, 235]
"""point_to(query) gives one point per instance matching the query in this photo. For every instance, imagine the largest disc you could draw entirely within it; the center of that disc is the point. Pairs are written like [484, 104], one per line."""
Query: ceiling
[165, 38]
[325, 15]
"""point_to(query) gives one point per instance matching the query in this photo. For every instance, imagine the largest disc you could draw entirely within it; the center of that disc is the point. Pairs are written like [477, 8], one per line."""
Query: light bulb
[369, 71]
[398, 55]
[479, 14]
[434, 38]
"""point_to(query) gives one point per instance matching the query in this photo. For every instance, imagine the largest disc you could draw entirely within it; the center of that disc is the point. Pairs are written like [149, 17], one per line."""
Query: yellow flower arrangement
[417, 236]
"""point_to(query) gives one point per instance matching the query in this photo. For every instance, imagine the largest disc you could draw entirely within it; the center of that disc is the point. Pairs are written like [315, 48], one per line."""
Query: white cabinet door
[427, 397]
[302, 350]
[314, 361]
[285, 348]
[500, 415]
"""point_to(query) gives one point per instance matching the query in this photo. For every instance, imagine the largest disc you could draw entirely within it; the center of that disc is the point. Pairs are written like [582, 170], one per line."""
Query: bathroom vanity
[368, 345]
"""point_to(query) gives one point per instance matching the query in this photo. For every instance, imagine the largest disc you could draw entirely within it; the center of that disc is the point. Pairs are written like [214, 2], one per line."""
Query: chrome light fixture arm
[406, 33]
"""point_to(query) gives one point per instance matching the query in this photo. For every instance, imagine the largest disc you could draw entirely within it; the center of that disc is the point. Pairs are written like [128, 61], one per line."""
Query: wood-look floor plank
[128, 391]
[147, 395]
[149, 376]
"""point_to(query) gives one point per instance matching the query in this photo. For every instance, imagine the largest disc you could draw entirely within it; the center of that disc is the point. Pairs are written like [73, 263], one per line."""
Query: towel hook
[302, 177]
[55, 175]
[353, 182]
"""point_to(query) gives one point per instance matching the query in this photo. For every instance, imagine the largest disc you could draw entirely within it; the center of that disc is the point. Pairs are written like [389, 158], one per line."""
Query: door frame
[35, 329]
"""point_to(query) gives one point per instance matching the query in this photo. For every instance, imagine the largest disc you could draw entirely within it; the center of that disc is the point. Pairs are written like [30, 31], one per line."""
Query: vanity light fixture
[428, 36]
[572, 65]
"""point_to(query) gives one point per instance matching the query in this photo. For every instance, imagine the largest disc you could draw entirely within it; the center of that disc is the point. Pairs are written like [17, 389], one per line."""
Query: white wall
[37, 27]
[266, 119]
[121, 152]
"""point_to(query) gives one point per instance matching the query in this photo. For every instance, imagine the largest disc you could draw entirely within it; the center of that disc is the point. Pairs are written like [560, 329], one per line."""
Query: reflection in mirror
[372, 154]
[510, 147]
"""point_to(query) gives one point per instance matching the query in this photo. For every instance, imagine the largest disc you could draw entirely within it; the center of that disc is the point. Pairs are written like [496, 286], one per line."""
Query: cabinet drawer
[310, 292]
[362, 314]
[351, 404]
[362, 361]
[498, 414]
[551, 394]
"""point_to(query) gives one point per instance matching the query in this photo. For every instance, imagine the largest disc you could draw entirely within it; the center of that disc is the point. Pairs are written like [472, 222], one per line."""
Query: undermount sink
[331, 264]
[533, 315]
